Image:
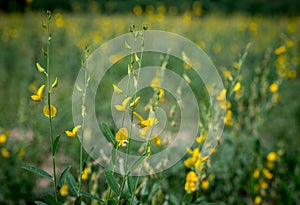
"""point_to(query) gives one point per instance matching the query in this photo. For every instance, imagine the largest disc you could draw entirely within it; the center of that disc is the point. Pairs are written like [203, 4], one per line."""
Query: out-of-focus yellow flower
[73, 132]
[236, 65]
[137, 10]
[124, 104]
[275, 98]
[191, 181]
[156, 140]
[257, 200]
[272, 157]
[2, 138]
[267, 174]
[4, 153]
[256, 173]
[280, 50]
[225, 104]
[64, 190]
[263, 184]
[38, 96]
[122, 137]
[270, 165]
[228, 118]
[52, 112]
[227, 74]
[289, 43]
[160, 95]
[253, 27]
[202, 138]
[155, 83]
[135, 102]
[205, 185]
[40, 68]
[117, 89]
[222, 95]
[237, 87]
[273, 88]
[85, 173]
[21, 153]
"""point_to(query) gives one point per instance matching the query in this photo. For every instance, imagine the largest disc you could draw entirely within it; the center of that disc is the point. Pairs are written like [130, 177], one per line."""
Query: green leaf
[130, 185]
[91, 196]
[38, 171]
[55, 145]
[78, 201]
[108, 133]
[112, 182]
[50, 200]
[72, 184]
[40, 203]
[137, 162]
[111, 202]
[62, 177]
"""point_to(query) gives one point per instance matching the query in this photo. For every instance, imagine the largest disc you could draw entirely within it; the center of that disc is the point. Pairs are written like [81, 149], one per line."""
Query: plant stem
[49, 109]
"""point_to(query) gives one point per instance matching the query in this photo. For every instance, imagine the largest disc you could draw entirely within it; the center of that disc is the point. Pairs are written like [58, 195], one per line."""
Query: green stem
[50, 113]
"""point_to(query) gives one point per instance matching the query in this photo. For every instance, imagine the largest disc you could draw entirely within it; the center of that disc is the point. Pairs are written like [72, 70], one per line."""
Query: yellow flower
[40, 68]
[21, 153]
[2, 138]
[55, 83]
[257, 200]
[227, 74]
[4, 153]
[270, 165]
[256, 173]
[52, 113]
[149, 122]
[73, 132]
[155, 83]
[225, 104]
[280, 50]
[222, 95]
[202, 138]
[156, 140]
[237, 87]
[228, 117]
[122, 107]
[160, 95]
[236, 65]
[205, 185]
[267, 174]
[272, 157]
[117, 89]
[64, 190]
[273, 88]
[85, 173]
[191, 180]
[122, 137]
[39, 93]
[263, 184]
[135, 102]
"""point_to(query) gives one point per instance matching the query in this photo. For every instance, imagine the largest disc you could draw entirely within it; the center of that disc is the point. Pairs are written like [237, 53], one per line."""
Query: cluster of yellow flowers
[196, 162]
[283, 64]
[264, 175]
[145, 124]
[3, 150]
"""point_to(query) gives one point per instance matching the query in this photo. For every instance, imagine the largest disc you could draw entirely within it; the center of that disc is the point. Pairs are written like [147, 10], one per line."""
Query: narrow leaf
[130, 185]
[108, 134]
[138, 162]
[72, 184]
[38, 171]
[111, 180]
[55, 145]
[91, 196]
[78, 201]
[50, 200]
[40, 203]
[62, 177]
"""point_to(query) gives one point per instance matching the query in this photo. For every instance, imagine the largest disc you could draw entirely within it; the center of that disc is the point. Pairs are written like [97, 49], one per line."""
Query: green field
[258, 159]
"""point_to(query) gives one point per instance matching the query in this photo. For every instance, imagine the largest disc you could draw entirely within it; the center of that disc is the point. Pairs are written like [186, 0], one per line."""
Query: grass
[260, 125]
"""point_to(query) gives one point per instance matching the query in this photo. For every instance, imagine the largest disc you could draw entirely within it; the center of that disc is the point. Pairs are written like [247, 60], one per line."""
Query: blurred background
[258, 160]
